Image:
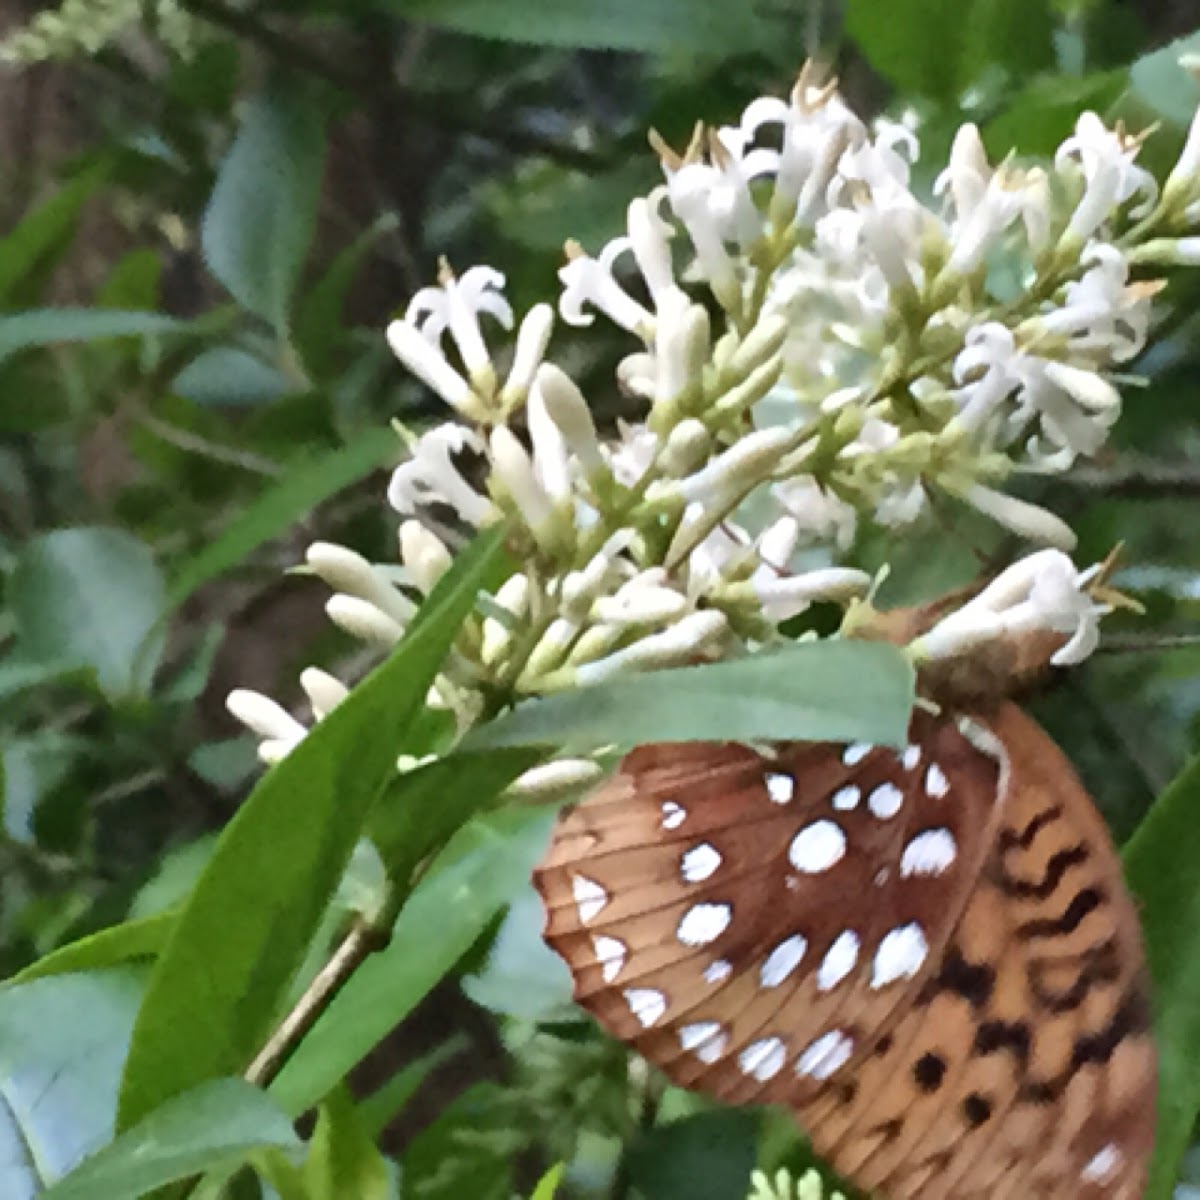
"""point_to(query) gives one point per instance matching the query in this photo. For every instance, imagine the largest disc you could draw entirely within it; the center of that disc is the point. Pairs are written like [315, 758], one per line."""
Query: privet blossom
[814, 343]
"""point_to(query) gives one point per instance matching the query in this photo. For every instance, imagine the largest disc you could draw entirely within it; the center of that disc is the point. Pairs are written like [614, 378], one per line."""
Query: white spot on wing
[817, 847]
[717, 971]
[704, 923]
[846, 798]
[646, 1004]
[781, 788]
[705, 1038]
[1102, 1166]
[839, 961]
[929, 853]
[911, 756]
[763, 1059]
[936, 783]
[590, 897]
[783, 960]
[828, 1054]
[699, 863]
[673, 815]
[611, 953]
[886, 801]
[901, 955]
[856, 752]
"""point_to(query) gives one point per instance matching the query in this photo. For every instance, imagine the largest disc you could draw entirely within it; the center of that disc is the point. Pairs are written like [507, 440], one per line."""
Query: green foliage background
[197, 257]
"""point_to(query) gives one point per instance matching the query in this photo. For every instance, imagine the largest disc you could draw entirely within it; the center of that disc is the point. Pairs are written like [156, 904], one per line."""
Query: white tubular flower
[324, 692]
[817, 128]
[456, 306]
[1041, 593]
[590, 281]
[1020, 516]
[564, 404]
[532, 339]
[430, 475]
[424, 554]
[1075, 408]
[649, 238]
[673, 647]
[427, 362]
[550, 650]
[347, 571]
[1102, 313]
[361, 619]
[1111, 175]
[555, 779]
[512, 468]
[985, 202]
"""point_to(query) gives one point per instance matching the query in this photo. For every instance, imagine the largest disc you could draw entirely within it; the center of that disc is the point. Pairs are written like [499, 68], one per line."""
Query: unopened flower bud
[1020, 516]
[515, 474]
[687, 447]
[673, 647]
[513, 598]
[424, 554]
[263, 716]
[532, 339]
[566, 407]
[347, 571]
[555, 779]
[361, 619]
[324, 692]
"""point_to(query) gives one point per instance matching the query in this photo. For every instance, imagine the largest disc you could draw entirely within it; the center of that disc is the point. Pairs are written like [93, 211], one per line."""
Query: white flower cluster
[816, 344]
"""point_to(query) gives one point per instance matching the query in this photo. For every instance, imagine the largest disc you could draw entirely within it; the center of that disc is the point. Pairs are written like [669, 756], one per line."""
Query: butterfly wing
[927, 955]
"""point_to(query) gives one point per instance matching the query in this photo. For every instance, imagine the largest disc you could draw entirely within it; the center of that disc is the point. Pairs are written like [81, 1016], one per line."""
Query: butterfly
[927, 954]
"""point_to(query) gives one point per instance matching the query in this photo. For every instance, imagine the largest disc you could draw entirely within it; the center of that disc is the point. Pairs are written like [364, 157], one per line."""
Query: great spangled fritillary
[928, 955]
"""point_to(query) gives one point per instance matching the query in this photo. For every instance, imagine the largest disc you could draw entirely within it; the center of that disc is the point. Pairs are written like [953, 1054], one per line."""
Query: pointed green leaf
[485, 865]
[244, 931]
[260, 218]
[819, 691]
[213, 1126]
[1161, 864]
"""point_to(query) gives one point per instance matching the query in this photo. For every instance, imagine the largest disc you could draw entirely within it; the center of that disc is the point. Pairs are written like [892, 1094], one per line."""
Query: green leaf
[713, 27]
[319, 324]
[54, 326]
[305, 485]
[705, 1157]
[90, 597]
[245, 929]
[261, 215]
[840, 691]
[421, 809]
[62, 1042]
[230, 377]
[547, 1187]
[918, 45]
[114, 946]
[46, 228]
[343, 1159]
[1160, 81]
[1044, 112]
[379, 1109]
[522, 976]
[213, 1126]
[485, 865]
[1160, 863]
